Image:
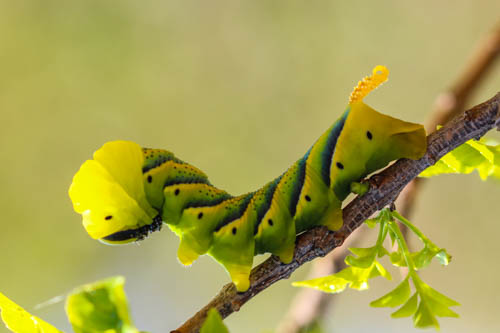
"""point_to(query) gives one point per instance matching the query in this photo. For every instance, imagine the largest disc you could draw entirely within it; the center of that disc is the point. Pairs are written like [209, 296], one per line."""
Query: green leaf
[354, 277]
[360, 277]
[328, 284]
[20, 321]
[371, 223]
[100, 307]
[424, 317]
[397, 259]
[382, 251]
[396, 297]
[213, 323]
[363, 251]
[382, 271]
[432, 304]
[423, 257]
[433, 295]
[365, 258]
[408, 308]
[443, 257]
[472, 155]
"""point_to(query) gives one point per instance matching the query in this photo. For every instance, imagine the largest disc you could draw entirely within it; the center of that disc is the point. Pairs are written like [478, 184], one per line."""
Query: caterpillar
[126, 192]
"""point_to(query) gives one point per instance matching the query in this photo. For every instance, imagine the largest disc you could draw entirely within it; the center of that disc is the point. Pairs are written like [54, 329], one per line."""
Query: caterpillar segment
[127, 192]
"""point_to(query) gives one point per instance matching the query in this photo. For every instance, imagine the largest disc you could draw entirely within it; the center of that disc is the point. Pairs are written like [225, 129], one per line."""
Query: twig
[384, 189]
[447, 105]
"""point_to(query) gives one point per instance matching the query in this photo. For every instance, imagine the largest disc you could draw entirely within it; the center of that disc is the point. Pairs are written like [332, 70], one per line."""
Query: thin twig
[447, 105]
[384, 189]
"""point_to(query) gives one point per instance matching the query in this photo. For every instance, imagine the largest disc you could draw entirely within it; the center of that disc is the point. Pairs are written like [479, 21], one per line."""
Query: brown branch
[384, 189]
[447, 105]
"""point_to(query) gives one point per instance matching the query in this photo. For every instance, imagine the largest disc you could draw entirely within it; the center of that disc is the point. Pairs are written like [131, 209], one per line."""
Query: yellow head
[109, 193]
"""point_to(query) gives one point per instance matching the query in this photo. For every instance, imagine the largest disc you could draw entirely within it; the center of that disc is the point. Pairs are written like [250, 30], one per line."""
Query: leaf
[397, 259]
[396, 297]
[371, 223]
[424, 317]
[482, 156]
[382, 271]
[365, 258]
[20, 321]
[328, 284]
[432, 304]
[359, 277]
[443, 257]
[100, 307]
[423, 257]
[213, 323]
[363, 251]
[408, 308]
[382, 251]
[427, 292]
[354, 277]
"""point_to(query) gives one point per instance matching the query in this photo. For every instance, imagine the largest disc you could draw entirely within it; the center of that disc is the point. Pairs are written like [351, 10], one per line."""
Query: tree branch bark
[384, 189]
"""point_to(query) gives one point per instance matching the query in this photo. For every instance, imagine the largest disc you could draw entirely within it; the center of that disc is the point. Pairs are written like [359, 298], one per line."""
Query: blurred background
[240, 90]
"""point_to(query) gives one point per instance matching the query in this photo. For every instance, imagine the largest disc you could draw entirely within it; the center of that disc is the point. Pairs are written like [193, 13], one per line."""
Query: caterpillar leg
[359, 188]
[286, 253]
[276, 234]
[186, 254]
[234, 248]
[332, 218]
[195, 230]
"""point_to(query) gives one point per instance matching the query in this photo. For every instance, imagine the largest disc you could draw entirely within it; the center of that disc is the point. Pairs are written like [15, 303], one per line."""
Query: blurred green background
[241, 90]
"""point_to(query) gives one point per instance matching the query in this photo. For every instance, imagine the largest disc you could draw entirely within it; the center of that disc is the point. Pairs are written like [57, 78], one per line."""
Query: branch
[448, 104]
[385, 187]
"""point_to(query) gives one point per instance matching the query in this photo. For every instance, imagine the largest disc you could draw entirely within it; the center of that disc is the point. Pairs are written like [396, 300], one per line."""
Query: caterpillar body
[126, 191]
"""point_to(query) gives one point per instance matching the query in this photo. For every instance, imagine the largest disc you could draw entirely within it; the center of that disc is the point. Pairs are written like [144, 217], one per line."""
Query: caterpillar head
[373, 139]
[109, 193]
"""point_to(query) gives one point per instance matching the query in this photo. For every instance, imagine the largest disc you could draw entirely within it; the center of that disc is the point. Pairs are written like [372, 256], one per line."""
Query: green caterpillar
[126, 191]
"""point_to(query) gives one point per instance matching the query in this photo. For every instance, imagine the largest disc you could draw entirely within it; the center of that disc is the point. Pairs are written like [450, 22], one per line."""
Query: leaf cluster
[482, 155]
[425, 304]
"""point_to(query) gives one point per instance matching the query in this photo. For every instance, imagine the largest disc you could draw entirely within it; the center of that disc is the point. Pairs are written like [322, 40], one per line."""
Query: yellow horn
[379, 75]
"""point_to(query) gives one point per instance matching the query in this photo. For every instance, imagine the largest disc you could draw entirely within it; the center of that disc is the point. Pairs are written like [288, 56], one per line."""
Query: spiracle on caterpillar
[126, 192]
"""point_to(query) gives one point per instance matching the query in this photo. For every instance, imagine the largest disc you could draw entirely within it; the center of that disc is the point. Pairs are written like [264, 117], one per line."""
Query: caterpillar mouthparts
[138, 234]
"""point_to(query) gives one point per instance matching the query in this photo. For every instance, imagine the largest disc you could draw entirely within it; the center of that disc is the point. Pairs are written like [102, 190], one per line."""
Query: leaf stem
[410, 226]
[402, 244]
